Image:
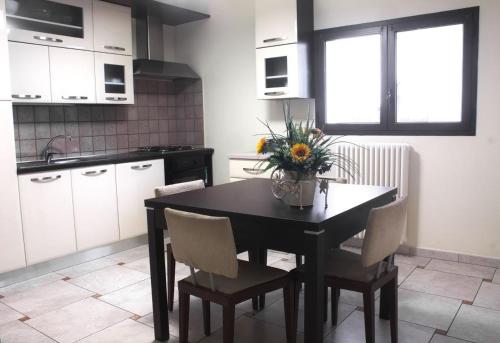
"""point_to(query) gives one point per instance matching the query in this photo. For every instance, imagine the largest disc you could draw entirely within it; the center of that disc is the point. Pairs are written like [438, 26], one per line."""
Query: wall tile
[143, 126]
[142, 113]
[163, 125]
[25, 114]
[27, 147]
[97, 113]
[111, 143]
[133, 141]
[70, 113]
[98, 129]
[121, 127]
[143, 139]
[154, 126]
[26, 131]
[132, 113]
[42, 130]
[42, 114]
[109, 113]
[122, 141]
[110, 128]
[72, 129]
[154, 139]
[41, 144]
[56, 129]
[84, 113]
[56, 114]
[86, 144]
[85, 129]
[99, 143]
[153, 112]
[133, 127]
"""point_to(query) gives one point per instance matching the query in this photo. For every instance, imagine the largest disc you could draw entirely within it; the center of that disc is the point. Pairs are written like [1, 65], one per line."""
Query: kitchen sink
[66, 160]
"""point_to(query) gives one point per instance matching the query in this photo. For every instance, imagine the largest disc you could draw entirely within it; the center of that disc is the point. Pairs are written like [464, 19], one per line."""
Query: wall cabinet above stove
[114, 82]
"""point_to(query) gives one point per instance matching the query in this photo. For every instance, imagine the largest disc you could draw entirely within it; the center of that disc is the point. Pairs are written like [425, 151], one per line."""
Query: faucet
[47, 156]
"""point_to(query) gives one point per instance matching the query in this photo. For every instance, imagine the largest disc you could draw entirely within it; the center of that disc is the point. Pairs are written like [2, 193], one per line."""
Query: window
[408, 76]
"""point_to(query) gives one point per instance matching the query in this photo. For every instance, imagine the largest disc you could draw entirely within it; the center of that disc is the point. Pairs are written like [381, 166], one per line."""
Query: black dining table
[260, 221]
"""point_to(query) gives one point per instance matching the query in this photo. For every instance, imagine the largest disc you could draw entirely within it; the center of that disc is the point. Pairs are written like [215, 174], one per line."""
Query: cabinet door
[136, 182]
[72, 75]
[4, 56]
[275, 22]
[11, 235]
[47, 213]
[64, 23]
[30, 73]
[112, 28]
[114, 79]
[95, 206]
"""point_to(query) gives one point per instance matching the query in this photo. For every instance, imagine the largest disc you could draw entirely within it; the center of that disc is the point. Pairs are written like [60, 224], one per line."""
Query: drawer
[247, 169]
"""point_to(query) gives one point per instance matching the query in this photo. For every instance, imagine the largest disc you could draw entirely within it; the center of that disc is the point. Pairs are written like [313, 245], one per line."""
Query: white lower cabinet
[95, 206]
[47, 214]
[136, 182]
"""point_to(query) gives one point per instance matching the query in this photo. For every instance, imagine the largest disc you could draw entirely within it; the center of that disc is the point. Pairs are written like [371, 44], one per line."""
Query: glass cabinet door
[114, 79]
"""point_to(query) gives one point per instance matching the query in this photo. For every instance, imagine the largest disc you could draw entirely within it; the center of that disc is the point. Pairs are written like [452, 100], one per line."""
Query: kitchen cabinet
[4, 55]
[47, 215]
[95, 206]
[72, 75]
[11, 236]
[30, 73]
[240, 169]
[114, 79]
[112, 28]
[279, 22]
[62, 23]
[136, 182]
[283, 72]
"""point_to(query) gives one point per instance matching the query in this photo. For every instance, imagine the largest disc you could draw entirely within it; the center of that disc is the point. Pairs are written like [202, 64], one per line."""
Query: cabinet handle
[116, 98]
[274, 39]
[48, 39]
[254, 171]
[46, 179]
[74, 97]
[144, 166]
[94, 172]
[274, 93]
[26, 96]
[115, 48]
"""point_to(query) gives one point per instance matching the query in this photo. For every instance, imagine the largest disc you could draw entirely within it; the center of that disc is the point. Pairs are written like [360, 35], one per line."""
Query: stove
[164, 148]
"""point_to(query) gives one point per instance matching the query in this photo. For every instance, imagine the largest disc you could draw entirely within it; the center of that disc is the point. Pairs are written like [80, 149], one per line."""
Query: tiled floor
[109, 300]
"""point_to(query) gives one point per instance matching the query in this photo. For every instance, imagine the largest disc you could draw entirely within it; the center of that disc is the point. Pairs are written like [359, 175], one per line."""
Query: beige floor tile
[37, 301]
[131, 255]
[462, 269]
[444, 284]
[354, 298]
[404, 270]
[352, 330]
[109, 279]
[488, 296]
[135, 298]
[128, 331]
[7, 314]
[285, 265]
[78, 320]
[496, 278]
[18, 332]
[142, 265]
[414, 260]
[87, 267]
[271, 298]
[476, 324]
[428, 310]
[29, 284]
[445, 339]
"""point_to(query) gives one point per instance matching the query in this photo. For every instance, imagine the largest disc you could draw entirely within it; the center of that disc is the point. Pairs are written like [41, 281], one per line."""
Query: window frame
[388, 29]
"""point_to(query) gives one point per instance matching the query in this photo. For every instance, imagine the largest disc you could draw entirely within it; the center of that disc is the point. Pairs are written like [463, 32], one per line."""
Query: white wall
[454, 182]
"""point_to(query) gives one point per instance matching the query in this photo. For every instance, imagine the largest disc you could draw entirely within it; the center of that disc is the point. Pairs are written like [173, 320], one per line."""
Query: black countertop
[88, 161]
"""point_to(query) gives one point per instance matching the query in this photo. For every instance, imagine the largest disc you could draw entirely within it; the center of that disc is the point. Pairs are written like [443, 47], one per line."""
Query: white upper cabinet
[72, 76]
[275, 22]
[4, 56]
[64, 23]
[30, 73]
[114, 79]
[112, 28]
[95, 206]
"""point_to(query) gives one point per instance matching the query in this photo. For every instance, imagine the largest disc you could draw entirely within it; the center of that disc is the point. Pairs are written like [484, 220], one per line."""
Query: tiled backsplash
[165, 112]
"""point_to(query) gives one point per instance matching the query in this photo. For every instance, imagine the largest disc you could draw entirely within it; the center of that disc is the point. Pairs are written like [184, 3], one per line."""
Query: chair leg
[206, 317]
[325, 304]
[334, 298]
[183, 317]
[369, 308]
[394, 312]
[263, 261]
[298, 263]
[228, 324]
[253, 258]
[170, 278]
[290, 314]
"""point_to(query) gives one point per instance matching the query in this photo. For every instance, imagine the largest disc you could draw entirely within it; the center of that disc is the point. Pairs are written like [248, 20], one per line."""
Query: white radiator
[377, 164]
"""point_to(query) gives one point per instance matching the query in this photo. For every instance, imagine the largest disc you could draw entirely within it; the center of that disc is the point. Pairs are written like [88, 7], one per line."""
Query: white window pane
[429, 75]
[353, 80]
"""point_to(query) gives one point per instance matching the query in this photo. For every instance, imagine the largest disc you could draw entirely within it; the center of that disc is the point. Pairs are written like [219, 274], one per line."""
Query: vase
[295, 190]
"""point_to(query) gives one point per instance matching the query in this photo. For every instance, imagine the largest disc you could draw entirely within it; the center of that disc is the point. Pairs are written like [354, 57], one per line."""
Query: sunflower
[300, 152]
[261, 145]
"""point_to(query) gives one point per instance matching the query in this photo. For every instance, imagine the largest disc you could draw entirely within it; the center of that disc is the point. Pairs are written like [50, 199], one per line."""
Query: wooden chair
[373, 269]
[207, 244]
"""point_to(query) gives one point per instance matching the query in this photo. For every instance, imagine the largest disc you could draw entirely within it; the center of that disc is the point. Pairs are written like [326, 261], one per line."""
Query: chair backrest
[203, 242]
[179, 188]
[385, 229]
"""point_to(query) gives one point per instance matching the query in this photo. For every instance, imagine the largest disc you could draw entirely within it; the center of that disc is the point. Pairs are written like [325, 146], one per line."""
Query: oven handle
[143, 167]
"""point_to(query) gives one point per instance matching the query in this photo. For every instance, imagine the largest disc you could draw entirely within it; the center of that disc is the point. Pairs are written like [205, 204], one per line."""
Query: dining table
[260, 222]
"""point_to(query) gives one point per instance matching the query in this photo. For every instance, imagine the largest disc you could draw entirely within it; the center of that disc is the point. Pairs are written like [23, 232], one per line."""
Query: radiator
[377, 164]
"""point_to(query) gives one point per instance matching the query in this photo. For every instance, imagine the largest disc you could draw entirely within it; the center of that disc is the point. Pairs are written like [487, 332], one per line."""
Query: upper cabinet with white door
[4, 55]
[112, 28]
[114, 80]
[64, 23]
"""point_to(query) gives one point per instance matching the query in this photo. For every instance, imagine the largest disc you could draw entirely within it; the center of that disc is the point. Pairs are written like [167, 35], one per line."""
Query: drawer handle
[26, 96]
[254, 171]
[94, 172]
[116, 98]
[144, 166]
[114, 48]
[274, 93]
[74, 97]
[46, 179]
[48, 39]
[274, 39]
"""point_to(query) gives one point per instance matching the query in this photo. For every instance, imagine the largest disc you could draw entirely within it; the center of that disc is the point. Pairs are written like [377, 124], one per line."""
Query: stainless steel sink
[66, 160]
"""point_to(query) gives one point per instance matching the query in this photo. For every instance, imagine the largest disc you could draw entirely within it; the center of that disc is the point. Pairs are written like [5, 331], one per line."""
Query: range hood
[149, 63]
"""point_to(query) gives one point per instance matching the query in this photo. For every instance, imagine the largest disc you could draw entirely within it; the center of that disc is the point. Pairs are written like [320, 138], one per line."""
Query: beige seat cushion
[249, 275]
[347, 265]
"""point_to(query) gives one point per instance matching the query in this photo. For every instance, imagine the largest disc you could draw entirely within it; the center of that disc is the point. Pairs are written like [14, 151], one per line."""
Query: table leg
[314, 283]
[263, 261]
[158, 278]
